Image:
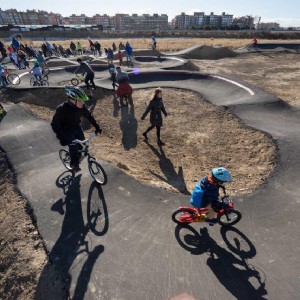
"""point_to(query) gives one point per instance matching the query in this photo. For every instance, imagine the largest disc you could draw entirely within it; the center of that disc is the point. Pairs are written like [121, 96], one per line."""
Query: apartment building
[145, 22]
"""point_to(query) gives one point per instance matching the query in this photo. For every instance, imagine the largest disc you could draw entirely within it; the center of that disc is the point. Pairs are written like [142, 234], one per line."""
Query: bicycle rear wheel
[229, 218]
[64, 156]
[97, 172]
[74, 81]
[13, 79]
[182, 216]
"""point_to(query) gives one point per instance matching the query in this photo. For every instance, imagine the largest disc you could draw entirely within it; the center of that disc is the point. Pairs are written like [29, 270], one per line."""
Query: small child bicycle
[95, 169]
[227, 215]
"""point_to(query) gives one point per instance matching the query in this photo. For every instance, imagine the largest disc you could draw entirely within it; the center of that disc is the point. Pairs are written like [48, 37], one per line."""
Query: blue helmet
[221, 174]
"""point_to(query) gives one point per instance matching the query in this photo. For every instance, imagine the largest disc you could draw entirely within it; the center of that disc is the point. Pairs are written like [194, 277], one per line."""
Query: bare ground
[187, 155]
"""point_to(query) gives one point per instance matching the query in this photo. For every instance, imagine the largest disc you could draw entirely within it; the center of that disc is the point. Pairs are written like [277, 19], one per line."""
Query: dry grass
[171, 44]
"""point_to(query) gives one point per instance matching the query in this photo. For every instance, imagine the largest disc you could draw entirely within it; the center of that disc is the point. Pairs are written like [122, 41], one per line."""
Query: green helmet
[36, 64]
[76, 93]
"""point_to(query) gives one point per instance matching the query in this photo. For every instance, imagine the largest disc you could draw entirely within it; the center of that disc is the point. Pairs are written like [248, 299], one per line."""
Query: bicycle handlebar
[86, 141]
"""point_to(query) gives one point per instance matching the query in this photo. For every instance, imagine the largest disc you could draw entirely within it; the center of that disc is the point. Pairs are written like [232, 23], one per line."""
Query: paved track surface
[118, 241]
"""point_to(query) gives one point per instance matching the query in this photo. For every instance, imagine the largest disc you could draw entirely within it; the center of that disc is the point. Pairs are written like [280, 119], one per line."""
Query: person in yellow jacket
[79, 48]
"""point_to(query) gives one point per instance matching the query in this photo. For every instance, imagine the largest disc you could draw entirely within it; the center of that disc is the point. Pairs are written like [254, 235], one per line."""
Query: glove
[98, 130]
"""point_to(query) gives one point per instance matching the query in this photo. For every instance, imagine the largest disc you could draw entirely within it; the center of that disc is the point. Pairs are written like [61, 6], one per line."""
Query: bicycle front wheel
[65, 158]
[229, 218]
[45, 83]
[13, 79]
[74, 81]
[182, 216]
[97, 172]
[46, 71]
[32, 81]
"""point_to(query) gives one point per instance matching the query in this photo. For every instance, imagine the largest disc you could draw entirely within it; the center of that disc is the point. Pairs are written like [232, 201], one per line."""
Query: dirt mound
[208, 52]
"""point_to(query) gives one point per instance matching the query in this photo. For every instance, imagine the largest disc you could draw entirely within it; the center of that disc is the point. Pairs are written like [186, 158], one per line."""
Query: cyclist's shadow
[128, 125]
[72, 240]
[233, 272]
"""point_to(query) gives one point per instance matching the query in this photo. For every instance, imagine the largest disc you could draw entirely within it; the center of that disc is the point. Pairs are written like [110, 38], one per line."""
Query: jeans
[69, 135]
[90, 77]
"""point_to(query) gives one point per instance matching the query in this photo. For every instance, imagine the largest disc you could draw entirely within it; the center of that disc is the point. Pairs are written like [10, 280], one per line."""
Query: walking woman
[156, 106]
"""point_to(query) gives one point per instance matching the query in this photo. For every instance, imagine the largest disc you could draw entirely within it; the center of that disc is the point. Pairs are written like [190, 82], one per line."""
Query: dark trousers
[90, 78]
[157, 130]
[69, 135]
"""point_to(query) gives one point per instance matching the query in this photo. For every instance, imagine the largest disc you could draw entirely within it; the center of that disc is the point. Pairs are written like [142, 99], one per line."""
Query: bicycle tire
[45, 77]
[65, 158]
[13, 79]
[46, 71]
[32, 81]
[97, 172]
[179, 213]
[74, 81]
[230, 218]
[44, 83]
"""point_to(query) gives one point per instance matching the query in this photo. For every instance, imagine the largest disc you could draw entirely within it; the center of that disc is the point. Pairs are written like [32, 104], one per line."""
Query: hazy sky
[286, 13]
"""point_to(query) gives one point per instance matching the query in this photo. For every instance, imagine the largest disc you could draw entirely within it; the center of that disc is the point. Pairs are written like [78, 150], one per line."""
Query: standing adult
[86, 69]
[156, 107]
[114, 47]
[73, 47]
[128, 50]
[79, 48]
[98, 48]
[110, 56]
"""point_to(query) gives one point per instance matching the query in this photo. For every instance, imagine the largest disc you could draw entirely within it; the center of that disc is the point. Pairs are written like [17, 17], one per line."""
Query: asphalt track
[132, 249]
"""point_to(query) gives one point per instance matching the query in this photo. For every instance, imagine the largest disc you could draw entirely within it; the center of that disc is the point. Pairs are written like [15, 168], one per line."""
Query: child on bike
[37, 72]
[206, 192]
[67, 119]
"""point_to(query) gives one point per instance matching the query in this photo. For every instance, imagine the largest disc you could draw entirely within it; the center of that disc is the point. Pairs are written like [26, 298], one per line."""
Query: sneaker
[211, 222]
[75, 167]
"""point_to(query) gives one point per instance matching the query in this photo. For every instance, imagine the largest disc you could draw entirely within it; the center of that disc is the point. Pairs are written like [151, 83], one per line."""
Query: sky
[286, 13]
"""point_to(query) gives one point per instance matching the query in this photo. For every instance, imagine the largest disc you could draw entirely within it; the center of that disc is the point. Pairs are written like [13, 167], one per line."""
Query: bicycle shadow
[55, 280]
[172, 177]
[240, 278]
[128, 125]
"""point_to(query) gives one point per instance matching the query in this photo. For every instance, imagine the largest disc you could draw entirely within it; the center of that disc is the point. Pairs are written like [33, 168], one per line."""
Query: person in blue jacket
[206, 192]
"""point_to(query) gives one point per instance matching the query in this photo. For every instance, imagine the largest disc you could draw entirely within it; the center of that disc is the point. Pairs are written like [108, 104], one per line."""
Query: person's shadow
[233, 272]
[172, 177]
[116, 106]
[56, 279]
[128, 125]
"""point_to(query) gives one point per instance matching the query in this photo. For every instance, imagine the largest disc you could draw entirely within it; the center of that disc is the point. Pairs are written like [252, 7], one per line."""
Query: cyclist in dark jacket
[85, 68]
[67, 119]
[156, 106]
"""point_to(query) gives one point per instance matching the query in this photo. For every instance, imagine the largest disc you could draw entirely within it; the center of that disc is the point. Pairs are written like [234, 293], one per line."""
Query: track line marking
[235, 83]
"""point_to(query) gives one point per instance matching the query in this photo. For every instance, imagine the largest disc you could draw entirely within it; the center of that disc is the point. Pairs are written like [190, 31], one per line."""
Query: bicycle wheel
[13, 79]
[74, 81]
[46, 71]
[32, 81]
[45, 77]
[182, 216]
[229, 218]
[65, 158]
[44, 83]
[97, 172]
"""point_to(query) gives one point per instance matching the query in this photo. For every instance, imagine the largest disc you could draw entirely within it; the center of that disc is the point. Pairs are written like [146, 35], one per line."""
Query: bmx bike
[78, 79]
[226, 216]
[12, 78]
[39, 82]
[95, 169]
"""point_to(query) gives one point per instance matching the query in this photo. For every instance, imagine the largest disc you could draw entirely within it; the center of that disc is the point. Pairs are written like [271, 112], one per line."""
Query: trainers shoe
[159, 142]
[211, 222]
[75, 167]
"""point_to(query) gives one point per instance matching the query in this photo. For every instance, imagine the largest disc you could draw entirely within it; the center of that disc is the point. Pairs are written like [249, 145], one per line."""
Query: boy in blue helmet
[206, 192]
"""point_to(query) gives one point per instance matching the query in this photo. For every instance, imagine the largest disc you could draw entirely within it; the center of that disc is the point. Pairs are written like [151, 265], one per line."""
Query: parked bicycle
[95, 169]
[227, 215]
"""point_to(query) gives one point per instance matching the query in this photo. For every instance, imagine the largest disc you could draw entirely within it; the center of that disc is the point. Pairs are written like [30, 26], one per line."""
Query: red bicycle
[226, 216]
